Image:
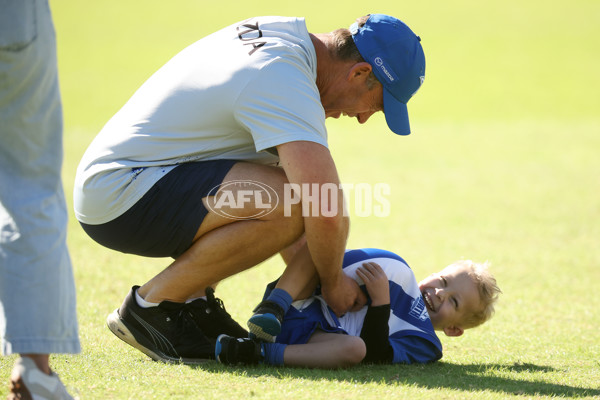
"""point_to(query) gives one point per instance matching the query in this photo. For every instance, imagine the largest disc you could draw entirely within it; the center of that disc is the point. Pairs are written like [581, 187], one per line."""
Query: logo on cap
[388, 74]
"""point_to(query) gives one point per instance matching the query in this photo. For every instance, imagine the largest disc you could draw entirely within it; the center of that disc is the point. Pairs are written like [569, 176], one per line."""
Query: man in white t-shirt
[197, 166]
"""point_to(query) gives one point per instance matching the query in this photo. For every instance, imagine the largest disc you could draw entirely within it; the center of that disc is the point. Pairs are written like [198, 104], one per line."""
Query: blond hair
[488, 291]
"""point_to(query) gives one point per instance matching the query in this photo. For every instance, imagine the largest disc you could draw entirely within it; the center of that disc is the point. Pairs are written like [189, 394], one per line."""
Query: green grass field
[503, 165]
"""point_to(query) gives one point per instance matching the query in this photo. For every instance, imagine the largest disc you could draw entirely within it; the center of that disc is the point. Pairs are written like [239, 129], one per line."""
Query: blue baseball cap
[398, 62]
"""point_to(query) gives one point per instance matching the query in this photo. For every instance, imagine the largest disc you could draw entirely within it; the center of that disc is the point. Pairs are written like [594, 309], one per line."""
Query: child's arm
[381, 347]
[375, 330]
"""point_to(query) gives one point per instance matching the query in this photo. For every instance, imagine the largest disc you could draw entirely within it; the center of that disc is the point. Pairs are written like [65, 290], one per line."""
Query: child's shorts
[300, 324]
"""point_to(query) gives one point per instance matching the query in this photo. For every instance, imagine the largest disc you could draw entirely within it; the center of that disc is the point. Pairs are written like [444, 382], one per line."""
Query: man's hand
[376, 282]
[345, 296]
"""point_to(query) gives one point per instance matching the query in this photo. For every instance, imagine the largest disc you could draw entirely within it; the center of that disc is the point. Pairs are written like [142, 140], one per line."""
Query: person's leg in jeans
[37, 290]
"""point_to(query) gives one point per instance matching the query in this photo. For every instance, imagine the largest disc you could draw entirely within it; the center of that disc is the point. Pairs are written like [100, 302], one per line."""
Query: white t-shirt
[234, 95]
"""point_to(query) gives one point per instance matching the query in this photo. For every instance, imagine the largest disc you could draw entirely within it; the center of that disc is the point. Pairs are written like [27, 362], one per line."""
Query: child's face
[449, 296]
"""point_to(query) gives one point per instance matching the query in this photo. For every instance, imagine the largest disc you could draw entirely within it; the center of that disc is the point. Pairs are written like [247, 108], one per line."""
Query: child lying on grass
[397, 326]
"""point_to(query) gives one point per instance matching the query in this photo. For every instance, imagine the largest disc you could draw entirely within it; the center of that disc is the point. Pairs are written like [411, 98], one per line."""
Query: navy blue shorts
[298, 326]
[164, 222]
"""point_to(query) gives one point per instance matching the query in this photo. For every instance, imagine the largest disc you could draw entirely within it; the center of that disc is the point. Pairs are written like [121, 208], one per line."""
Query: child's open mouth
[428, 301]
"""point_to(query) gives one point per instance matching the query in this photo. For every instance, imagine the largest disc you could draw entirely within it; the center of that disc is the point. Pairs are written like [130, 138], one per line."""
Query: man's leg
[157, 320]
[225, 246]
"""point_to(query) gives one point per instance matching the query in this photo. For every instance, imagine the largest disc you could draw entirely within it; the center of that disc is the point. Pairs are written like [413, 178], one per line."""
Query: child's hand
[376, 281]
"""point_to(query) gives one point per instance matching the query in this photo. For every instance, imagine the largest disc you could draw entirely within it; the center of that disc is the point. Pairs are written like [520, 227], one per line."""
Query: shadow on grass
[516, 379]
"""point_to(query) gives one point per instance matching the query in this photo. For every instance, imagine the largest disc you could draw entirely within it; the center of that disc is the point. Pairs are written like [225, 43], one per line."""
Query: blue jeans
[37, 289]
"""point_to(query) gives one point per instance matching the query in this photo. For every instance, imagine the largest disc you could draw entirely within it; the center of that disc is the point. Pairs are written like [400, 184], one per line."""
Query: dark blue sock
[282, 298]
[273, 353]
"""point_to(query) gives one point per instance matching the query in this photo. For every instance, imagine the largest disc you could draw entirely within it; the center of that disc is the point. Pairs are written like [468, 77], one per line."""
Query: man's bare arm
[310, 164]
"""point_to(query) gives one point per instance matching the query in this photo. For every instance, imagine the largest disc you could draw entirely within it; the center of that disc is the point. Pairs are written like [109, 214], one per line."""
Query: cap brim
[396, 114]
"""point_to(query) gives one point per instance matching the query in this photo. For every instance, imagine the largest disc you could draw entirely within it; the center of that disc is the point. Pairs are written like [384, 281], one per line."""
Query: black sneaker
[165, 333]
[210, 315]
[230, 350]
[265, 324]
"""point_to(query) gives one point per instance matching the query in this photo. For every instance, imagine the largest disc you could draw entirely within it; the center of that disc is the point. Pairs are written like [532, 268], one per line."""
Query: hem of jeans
[72, 346]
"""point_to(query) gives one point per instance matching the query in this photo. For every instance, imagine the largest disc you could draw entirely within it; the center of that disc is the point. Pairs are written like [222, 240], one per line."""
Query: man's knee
[264, 189]
[253, 192]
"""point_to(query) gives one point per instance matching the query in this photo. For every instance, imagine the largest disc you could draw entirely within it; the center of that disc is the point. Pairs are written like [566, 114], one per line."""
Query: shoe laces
[185, 325]
[214, 302]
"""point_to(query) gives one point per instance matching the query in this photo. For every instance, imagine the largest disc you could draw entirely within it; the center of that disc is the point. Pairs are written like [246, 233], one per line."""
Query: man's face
[352, 97]
[449, 296]
[359, 105]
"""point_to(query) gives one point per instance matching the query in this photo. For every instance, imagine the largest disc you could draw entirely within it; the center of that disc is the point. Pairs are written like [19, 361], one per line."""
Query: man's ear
[453, 331]
[360, 70]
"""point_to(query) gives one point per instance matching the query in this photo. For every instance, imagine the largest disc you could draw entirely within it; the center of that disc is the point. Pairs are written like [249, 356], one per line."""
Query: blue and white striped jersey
[411, 334]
